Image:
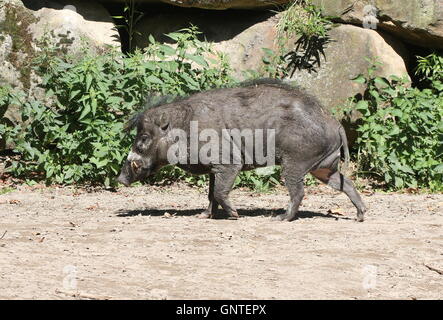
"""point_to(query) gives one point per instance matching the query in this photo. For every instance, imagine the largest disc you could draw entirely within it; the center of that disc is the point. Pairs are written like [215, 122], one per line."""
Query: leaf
[49, 172]
[150, 65]
[382, 81]
[154, 79]
[167, 50]
[69, 173]
[362, 105]
[360, 79]
[88, 82]
[151, 39]
[174, 36]
[337, 211]
[198, 59]
[73, 94]
[397, 113]
[86, 110]
[94, 106]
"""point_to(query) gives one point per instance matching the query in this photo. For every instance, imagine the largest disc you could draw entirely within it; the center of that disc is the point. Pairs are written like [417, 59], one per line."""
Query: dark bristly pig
[295, 130]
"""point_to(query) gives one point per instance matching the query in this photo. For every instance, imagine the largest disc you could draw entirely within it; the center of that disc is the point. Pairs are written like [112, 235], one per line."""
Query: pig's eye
[144, 139]
[143, 143]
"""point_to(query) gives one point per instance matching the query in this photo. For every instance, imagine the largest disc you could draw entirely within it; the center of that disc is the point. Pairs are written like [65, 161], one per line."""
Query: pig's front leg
[211, 211]
[224, 180]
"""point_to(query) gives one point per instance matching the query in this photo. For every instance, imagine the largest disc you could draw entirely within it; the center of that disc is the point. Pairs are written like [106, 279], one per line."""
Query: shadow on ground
[220, 215]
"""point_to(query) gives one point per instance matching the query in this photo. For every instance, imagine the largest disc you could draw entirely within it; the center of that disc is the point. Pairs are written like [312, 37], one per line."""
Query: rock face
[21, 27]
[240, 37]
[15, 43]
[77, 19]
[345, 54]
[218, 4]
[216, 26]
[418, 22]
[345, 60]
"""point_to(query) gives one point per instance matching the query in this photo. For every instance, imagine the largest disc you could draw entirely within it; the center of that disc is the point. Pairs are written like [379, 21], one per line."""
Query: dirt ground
[145, 243]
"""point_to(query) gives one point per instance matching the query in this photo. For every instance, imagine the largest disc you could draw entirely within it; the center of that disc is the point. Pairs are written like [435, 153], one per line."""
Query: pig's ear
[163, 121]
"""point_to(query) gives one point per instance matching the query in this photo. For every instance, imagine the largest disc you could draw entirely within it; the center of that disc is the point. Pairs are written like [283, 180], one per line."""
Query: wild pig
[260, 123]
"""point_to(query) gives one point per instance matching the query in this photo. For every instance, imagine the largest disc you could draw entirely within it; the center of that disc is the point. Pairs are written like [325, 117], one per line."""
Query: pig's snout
[123, 179]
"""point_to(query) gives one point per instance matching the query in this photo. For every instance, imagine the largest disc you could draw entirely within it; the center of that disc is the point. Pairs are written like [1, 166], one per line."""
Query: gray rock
[77, 20]
[346, 59]
[418, 22]
[217, 4]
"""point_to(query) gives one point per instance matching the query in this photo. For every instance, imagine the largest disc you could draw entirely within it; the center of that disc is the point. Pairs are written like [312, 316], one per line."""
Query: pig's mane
[154, 101]
[267, 81]
[151, 101]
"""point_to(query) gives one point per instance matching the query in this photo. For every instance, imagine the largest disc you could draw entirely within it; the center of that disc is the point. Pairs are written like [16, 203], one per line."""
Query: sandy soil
[144, 243]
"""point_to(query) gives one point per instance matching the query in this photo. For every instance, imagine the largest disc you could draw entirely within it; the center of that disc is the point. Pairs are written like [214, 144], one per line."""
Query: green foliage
[6, 190]
[274, 64]
[430, 70]
[260, 179]
[4, 99]
[186, 66]
[76, 135]
[4, 103]
[400, 131]
[131, 16]
[302, 20]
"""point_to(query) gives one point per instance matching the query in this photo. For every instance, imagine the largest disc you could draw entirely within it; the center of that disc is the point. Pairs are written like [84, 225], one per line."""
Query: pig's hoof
[233, 216]
[279, 217]
[204, 215]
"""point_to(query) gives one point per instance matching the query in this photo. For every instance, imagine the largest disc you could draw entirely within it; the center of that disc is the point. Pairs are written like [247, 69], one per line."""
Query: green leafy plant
[189, 65]
[400, 132]
[4, 98]
[430, 70]
[260, 179]
[6, 190]
[4, 104]
[76, 134]
[303, 20]
[131, 16]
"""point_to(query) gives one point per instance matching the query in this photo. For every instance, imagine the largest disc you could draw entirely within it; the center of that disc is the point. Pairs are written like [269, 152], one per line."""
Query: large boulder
[216, 26]
[23, 23]
[15, 43]
[418, 22]
[346, 57]
[240, 36]
[79, 20]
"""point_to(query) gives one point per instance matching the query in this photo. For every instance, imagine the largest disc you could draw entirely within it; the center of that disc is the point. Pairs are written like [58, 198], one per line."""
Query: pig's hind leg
[329, 174]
